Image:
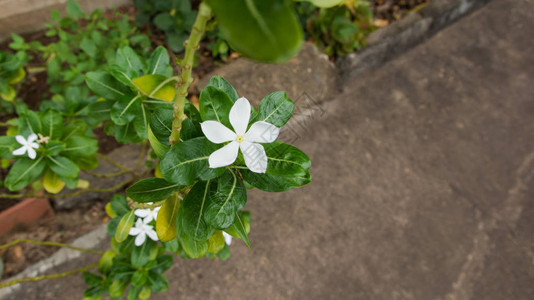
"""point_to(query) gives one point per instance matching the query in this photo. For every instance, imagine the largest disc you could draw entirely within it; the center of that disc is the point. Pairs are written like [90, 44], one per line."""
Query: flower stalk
[191, 46]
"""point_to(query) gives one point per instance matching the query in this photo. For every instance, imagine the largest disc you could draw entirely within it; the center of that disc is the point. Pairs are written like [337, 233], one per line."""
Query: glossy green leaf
[140, 122]
[52, 124]
[193, 248]
[125, 76]
[188, 161]
[152, 190]
[29, 122]
[139, 278]
[160, 148]
[230, 197]
[126, 109]
[24, 172]
[104, 85]
[99, 110]
[127, 58]
[264, 30]
[91, 279]
[119, 204]
[240, 228]
[221, 83]
[166, 221]
[76, 127]
[194, 206]
[123, 230]
[161, 124]
[215, 104]
[276, 108]
[141, 254]
[53, 148]
[63, 166]
[158, 282]
[156, 86]
[158, 63]
[80, 146]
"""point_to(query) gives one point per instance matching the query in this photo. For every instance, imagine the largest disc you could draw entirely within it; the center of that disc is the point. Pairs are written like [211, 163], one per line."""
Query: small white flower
[147, 214]
[28, 145]
[240, 138]
[141, 230]
[227, 238]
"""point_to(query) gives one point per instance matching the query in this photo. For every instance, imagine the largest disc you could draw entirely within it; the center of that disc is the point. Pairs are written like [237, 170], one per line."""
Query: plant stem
[116, 164]
[47, 243]
[105, 175]
[191, 45]
[51, 276]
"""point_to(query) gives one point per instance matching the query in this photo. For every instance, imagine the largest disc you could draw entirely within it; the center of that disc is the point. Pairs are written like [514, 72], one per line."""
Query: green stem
[47, 243]
[50, 276]
[191, 45]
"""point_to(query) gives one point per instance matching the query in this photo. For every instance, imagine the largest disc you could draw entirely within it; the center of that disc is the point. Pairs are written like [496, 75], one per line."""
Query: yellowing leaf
[156, 86]
[109, 210]
[166, 222]
[123, 230]
[18, 76]
[52, 183]
[83, 184]
[216, 242]
[9, 95]
[157, 172]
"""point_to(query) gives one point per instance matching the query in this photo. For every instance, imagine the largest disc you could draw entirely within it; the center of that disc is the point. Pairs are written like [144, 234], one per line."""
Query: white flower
[141, 230]
[227, 238]
[240, 138]
[27, 145]
[147, 214]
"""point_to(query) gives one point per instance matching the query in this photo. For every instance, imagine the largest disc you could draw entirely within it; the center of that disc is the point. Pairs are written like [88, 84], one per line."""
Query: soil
[67, 225]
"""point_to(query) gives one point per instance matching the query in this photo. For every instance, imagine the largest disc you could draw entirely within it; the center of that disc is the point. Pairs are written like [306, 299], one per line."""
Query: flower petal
[34, 145]
[148, 218]
[255, 157]
[32, 137]
[20, 151]
[142, 213]
[152, 234]
[31, 153]
[240, 115]
[20, 139]
[140, 239]
[224, 156]
[262, 132]
[227, 238]
[216, 132]
[134, 231]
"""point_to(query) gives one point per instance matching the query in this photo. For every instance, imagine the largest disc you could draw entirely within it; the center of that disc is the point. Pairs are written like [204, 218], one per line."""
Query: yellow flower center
[239, 139]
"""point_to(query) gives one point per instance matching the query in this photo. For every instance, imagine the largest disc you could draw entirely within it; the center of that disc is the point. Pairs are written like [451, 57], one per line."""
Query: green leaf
[76, 127]
[91, 279]
[141, 254]
[126, 109]
[52, 124]
[53, 148]
[156, 86]
[221, 83]
[140, 123]
[193, 206]
[215, 105]
[230, 197]
[99, 110]
[216, 242]
[119, 204]
[160, 148]
[188, 161]
[275, 183]
[158, 63]
[193, 248]
[272, 30]
[161, 124]
[87, 162]
[125, 76]
[166, 221]
[139, 278]
[152, 190]
[63, 166]
[123, 230]
[104, 85]
[157, 282]
[134, 291]
[74, 10]
[106, 261]
[80, 146]
[29, 122]
[89, 47]
[128, 59]
[276, 108]
[324, 3]
[7, 145]
[164, 21]
[123, 133]
[24, 172]
[239, 228]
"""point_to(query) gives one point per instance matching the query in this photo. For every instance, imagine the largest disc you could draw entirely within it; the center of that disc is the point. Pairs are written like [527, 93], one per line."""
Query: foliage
[11, 73]
[84, 43]
[175, 18]
[338, 30]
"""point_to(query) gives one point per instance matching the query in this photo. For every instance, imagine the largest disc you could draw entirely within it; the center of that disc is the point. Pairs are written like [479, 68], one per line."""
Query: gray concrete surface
[423, 184]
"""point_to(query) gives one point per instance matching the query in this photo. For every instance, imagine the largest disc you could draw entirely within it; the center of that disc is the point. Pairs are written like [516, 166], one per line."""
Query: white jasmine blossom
[28, 145]
[141, 230]
[147, 214]
[240, 138]
[227, 238]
